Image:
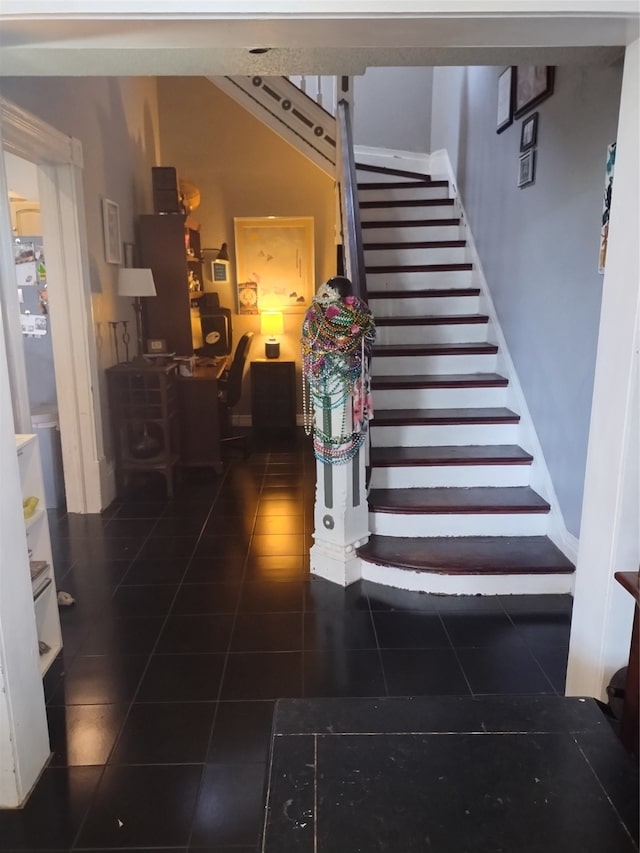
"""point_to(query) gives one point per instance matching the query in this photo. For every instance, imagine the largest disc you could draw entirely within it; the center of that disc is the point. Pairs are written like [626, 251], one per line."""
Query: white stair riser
[418, 280]
[404, 257]
[412, 234]
[442, 476]
[438, 334]
[402, 193]
[437, 306]
[364, 176]
[439, 398]
[404, 213]
[463, 524]
[417, 365]
[440, 435]
[483, 584]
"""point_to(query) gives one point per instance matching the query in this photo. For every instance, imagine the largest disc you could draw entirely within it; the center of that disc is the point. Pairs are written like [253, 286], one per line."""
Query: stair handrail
[350, 230]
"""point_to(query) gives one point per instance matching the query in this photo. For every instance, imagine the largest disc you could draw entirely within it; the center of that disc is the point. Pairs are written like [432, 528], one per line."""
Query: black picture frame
[527, 168]
[534, 84]
[506, 95]
[529, 132]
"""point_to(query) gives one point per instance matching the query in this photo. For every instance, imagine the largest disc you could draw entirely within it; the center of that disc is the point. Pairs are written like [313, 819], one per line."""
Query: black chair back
[233, 383]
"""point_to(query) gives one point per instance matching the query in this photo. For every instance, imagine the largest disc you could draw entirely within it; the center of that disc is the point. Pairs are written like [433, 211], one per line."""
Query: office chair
[230, 389]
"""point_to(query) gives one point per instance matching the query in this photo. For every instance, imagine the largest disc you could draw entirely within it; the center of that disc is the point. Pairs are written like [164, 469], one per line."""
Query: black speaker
[216, 334]
[166, 198]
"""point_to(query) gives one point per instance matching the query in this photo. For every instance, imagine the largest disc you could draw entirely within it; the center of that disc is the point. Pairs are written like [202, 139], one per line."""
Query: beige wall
[242, 169]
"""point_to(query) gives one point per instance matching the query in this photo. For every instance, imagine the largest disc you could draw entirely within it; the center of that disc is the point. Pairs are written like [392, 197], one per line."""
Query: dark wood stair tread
[463, 267]
[425, 293]
[407, 202]
[401, 185]
[417, 244]
[466, 415]
[440, 380]
[454, 454]
[468, 555]
[385, 170]
[412, 350]
[432, 320]
[458, 500]
[411, 223]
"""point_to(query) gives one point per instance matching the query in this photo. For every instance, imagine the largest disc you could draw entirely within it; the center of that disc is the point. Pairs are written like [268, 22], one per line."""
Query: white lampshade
[135, 282]
[271, 323]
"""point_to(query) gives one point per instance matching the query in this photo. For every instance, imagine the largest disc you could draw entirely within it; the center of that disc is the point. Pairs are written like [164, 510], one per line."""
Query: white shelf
[45, 596]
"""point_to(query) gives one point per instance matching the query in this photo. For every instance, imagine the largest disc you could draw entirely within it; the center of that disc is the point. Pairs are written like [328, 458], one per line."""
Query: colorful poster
[606, 207]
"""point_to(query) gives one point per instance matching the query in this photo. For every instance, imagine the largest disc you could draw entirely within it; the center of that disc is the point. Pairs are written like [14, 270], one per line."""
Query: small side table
[629, 726]
[273, 394]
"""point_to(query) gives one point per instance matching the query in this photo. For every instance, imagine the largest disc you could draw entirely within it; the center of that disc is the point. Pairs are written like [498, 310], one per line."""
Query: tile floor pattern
[193, 616]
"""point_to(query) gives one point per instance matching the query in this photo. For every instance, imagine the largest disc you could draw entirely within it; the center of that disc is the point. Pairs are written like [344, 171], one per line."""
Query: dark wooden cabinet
[144, 418]
[171, 249]
[273, 394]
[199, 418]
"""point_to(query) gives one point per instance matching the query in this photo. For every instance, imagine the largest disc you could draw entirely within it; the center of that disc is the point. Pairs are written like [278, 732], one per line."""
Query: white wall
[446, 111]
[392, 108]
[539, 245]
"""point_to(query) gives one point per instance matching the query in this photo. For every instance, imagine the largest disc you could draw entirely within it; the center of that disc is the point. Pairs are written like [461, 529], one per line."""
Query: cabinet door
[162, 249]
[273, 395]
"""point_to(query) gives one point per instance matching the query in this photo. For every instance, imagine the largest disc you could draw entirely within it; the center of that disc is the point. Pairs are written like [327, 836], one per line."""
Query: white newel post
[337, 333]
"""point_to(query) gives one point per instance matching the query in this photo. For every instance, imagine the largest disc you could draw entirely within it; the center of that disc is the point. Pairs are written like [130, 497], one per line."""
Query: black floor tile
[207, 598]
[267, 632]
[289, 568]
[481, 630]
[241, 733]
[100, 680]
[503, 670]
[128, 636]
[147, 806]
[53, 813]
[222, 547]
[165, 733]
[321, 594]
[193, 633]
[182, 678]
[554, 663]
[155, 571]
[214, 570]
[386, 598]
[544, 629]
[330, 629]
[83, 735]
[423, 672]
[264, 675]
[168, 548]
[265, 597]
[138, 601]
[230, 806]
[129, 527]
[343, 672]
[413, 630]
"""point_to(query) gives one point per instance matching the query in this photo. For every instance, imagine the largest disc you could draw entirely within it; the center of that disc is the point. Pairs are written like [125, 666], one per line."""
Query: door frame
[59, 161]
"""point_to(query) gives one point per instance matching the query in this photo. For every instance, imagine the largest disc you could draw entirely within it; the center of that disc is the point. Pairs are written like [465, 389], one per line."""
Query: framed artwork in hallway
[506, 92]
[529, 132]
[534, 84]
[526, 170]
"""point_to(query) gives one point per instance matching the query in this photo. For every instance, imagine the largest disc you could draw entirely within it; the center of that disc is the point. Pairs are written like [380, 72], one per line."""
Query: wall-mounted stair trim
[289, 112]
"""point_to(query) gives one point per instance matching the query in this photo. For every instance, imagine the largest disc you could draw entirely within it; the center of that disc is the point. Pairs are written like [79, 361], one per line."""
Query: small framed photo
[220, 272]
[156, 346]
[529, 132]
[526, 170]
[111, 224]
[506, 93]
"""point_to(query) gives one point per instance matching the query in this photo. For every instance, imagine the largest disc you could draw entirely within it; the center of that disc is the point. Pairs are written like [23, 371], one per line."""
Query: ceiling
[137, 43]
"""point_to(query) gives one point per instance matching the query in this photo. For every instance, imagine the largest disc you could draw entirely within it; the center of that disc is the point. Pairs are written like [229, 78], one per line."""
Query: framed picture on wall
[111, 225]
[526, 168]
[529, 132]
[275, 262]
[534, 84]
[506, 89]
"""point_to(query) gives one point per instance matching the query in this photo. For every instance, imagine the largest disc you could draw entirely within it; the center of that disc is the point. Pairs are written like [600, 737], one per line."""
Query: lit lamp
[136, 283]
[271, 324]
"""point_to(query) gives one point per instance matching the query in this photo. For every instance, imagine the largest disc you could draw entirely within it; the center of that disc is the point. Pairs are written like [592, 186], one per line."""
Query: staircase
[451, 508]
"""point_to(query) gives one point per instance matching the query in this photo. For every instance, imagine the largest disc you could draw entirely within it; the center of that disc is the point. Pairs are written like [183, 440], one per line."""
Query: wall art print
[606, 205]
[275, 263]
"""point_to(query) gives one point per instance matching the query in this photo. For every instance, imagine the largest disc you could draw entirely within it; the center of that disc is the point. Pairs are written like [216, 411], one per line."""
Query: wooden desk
[629, 726]
[199, 417]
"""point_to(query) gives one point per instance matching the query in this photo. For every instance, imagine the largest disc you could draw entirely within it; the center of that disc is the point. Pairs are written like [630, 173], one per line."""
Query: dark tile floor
[193, 616]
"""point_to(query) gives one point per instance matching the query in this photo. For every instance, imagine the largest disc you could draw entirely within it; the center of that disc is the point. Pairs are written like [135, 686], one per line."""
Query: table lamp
[136, 283]
[271, 324]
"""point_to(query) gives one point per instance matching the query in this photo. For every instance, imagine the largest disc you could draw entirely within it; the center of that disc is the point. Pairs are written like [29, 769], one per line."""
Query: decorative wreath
[338, 332]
